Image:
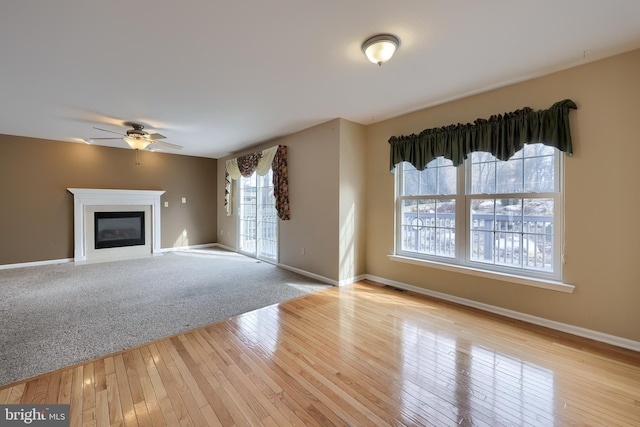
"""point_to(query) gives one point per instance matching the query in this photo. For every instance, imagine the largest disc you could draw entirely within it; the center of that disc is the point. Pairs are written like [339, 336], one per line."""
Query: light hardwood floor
[358, 355]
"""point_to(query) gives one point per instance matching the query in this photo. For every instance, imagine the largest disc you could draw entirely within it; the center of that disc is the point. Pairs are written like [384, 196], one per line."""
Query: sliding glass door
[258, 219]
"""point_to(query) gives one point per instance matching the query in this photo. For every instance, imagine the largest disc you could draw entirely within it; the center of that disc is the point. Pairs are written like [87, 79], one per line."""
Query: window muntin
[429, 226]
[513, 232]
[489, 214]
[530, 170]
[440, 178]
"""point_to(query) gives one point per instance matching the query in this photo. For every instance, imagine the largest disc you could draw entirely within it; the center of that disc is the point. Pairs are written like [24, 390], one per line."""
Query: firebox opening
[117, 229]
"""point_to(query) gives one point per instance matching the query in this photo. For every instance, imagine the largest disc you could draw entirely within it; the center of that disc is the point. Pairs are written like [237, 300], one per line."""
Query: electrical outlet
[221, 232]
[302, 251]
[184, 200]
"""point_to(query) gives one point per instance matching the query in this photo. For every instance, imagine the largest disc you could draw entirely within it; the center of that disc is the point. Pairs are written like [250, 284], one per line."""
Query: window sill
[521, 280]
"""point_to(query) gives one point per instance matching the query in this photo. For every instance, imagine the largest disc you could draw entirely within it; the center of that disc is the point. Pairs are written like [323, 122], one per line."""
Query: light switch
[184, 200]
[166, 204]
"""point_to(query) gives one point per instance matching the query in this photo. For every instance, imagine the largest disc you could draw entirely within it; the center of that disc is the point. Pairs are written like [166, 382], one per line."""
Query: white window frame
[462, 261]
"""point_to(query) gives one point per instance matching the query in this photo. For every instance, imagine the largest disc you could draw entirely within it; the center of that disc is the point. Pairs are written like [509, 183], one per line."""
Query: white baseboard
[345, 282]
[66, 260]
[35, 263]
[322, 278]
[308, 274]
[225, 247]
[327, 280]
[540, 321]
[182, 248]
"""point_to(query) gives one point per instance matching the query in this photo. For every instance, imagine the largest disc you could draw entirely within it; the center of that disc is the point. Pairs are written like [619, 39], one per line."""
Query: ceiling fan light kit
[137, 138]
[380, 48]
[137, 143]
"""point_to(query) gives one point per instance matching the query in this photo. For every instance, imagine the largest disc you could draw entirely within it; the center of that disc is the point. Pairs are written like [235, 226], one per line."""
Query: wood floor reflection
[358, 355]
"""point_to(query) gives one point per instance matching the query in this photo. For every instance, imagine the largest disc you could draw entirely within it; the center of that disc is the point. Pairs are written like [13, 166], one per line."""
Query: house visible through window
[502, 216]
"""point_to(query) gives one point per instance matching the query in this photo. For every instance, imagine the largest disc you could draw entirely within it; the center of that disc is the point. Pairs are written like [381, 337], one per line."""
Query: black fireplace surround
[117, 229]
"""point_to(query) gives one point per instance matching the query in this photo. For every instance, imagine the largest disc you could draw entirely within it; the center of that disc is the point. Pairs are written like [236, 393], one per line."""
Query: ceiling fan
[138, 138]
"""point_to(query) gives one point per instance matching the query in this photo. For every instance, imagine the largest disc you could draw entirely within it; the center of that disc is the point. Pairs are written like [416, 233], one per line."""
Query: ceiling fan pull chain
[137, 157]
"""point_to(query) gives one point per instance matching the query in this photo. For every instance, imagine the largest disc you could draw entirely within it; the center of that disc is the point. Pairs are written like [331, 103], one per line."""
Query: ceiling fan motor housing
[137, 131]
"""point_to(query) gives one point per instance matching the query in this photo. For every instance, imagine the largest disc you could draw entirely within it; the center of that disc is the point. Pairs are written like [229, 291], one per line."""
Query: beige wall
[352, 200]
[36, 218]
[326, 194]
[601, 207]
[314, 201]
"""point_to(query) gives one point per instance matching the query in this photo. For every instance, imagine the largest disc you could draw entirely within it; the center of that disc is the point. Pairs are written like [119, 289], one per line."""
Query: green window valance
[501, 135]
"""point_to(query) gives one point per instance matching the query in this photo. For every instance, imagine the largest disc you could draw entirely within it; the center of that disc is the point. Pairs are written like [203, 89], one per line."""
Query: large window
[502, 216]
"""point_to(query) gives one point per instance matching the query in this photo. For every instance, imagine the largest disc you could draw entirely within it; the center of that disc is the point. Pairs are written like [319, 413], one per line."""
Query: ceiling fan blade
[155, 136]
[95, 139]
[166, 144]
[107, 130]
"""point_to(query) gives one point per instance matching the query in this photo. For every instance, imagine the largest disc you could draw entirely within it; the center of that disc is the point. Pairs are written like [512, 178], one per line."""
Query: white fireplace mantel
[84, 197]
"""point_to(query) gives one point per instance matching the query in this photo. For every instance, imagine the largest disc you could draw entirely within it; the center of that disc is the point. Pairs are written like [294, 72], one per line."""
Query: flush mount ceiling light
[380, 48]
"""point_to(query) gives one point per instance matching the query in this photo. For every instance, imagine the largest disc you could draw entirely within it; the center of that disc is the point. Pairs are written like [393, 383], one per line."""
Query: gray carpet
[58, 315]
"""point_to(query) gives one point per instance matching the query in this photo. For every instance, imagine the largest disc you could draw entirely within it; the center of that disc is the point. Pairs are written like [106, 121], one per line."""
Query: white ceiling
[219, 76]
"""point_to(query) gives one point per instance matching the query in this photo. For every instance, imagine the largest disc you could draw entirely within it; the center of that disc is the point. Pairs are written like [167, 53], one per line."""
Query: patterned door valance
[261, 162]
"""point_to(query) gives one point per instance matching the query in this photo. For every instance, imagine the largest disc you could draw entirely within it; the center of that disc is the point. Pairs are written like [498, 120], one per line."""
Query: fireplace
[117, 236]
[118, 229]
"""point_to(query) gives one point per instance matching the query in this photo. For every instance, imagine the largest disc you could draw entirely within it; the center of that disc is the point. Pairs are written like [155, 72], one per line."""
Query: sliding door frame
[258, 231]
